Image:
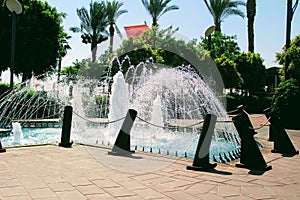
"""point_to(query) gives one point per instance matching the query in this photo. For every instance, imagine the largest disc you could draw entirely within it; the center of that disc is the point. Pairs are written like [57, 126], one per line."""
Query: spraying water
[172, 98]
[17, 131]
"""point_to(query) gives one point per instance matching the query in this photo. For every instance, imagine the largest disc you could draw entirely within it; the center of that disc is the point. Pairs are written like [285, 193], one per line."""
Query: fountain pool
[170, 102]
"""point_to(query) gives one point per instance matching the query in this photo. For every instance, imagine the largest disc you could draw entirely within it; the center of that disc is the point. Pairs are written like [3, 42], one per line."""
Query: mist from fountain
[173, 98]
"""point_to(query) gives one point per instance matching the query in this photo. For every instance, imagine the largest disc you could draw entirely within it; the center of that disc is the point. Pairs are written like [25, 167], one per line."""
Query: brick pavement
[82, 172]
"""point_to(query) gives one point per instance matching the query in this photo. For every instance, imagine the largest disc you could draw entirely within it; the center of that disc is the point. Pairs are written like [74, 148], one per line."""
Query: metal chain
[264, 124]
[109, 122]
[174, 127]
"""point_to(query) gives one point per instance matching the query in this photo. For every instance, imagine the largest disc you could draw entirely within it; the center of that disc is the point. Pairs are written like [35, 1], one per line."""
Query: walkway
[82, 172]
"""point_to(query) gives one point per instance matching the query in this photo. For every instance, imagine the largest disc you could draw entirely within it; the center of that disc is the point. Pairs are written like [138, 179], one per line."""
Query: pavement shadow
[215, 171]
[124, 154]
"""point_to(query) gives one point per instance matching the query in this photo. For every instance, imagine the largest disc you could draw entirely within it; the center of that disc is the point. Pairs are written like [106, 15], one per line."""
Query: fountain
[170, 103]
[17, 131]
[118, 105]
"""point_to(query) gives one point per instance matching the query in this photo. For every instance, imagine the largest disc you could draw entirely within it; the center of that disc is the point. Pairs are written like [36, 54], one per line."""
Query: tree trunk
[154, 21]
[251, 11]
[288, 36]
[111, 42]
[94, 52]
[217, 26]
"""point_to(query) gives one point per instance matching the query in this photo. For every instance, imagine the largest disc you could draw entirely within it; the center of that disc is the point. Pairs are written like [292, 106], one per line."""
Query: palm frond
[173, 7]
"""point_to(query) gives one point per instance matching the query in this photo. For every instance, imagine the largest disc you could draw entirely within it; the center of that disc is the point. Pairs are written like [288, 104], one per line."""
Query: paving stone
[76, 180]
[238, 198]
[31, 181]
[119, 191]
[52, 179]
[130, 198]
[257, 192]
[41, 193]
[90, 189]
[105, 183]
[132, 184]
[149, 194]
[181, 195]
[59, 187]
[16, 198]
[100, 196]
[228, 190]
[12, 191]
[71, 195]
[199, 188]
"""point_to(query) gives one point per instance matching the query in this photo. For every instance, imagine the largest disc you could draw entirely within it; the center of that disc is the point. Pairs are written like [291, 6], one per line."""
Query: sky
[192, 19]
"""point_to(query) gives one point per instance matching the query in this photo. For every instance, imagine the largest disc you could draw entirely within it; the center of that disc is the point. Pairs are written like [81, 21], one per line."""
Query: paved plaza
[85, 172]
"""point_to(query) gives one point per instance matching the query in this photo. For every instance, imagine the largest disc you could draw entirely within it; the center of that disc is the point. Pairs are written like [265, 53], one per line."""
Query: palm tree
[220, 9]
[157, 8]
[92, 26]
[113, 12]
[251, 11]
[290, 13]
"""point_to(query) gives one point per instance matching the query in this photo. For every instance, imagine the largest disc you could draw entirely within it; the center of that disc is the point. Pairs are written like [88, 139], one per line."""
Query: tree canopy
[114, 11]
[293, 53]
[157, 8]
[220, 9]
[93, 23]
[38, 38]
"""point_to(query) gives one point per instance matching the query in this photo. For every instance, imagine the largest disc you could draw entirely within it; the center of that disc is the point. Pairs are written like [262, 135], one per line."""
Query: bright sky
[193, 19]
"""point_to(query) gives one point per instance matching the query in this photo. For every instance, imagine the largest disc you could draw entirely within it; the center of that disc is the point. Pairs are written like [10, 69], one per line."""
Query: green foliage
[92, 70]
[221, 44]
[294, 55]
[161, 46]
[85, 68]
[38, 37]
[252, 103]
[229, 73]
[250, 66]
[286, 103]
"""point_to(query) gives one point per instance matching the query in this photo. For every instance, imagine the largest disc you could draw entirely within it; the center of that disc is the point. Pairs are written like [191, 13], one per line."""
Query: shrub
[286, 103]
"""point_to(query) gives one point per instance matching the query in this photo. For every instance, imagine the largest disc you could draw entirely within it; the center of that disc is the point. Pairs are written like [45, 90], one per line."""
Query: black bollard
[2, 150]
[122, 143]
[282, 142]
[251, 156]
[66, 128]
[201, 158]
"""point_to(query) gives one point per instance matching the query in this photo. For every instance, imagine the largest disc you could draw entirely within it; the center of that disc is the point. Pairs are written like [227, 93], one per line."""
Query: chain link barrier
[253, 115]
[264, 124]
[86, 119]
